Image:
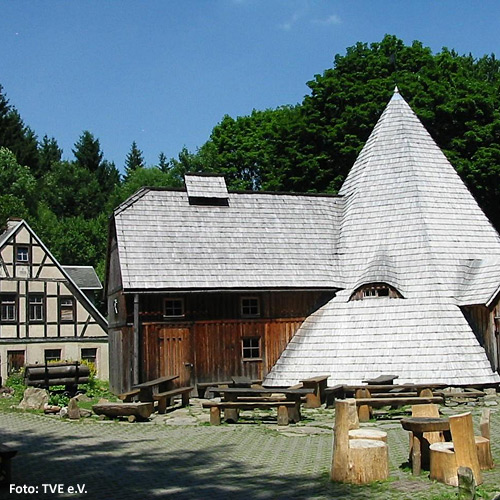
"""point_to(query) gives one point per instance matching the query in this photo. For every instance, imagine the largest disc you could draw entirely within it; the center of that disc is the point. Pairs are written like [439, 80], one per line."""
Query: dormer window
[374, 291]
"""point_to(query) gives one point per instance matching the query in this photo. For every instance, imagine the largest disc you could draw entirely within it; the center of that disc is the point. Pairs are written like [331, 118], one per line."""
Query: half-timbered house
[398, 274]
[44, 315]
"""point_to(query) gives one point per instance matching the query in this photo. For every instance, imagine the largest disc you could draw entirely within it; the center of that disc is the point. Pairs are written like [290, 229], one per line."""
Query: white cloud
[328, 21]
[288, 25]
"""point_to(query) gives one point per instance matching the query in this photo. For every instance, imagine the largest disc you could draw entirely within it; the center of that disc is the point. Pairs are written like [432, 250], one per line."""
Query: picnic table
[420, 447]
[318, 384]
[245, 396]
[151, 387]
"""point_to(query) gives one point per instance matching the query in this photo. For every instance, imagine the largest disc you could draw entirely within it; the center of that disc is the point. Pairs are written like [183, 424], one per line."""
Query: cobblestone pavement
[180, 456]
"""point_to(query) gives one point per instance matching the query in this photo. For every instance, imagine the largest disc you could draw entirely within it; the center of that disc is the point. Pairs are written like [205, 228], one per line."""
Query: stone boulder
[34, 399]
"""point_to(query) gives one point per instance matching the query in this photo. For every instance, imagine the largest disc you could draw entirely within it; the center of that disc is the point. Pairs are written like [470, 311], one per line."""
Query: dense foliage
[308, 147]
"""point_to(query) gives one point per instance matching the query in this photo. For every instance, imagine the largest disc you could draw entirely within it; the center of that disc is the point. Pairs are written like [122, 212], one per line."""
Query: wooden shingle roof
[410, 221]
[258, 241]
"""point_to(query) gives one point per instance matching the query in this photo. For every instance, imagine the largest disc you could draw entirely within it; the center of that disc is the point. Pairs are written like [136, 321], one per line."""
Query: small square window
[173, 308]
[251, 348]
[22, 255]
[52, 355]
[66, 309]
[250, 306]
[36, 308]
[89, 354]
[8, 309]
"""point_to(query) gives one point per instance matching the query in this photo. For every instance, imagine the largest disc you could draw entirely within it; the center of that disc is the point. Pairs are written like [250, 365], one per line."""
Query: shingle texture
[410, 221]
[85, 277]
[258, 241]
[205, 186]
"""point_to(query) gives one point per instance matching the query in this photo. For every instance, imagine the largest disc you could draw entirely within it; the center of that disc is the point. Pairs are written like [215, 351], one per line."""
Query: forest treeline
[307, 147]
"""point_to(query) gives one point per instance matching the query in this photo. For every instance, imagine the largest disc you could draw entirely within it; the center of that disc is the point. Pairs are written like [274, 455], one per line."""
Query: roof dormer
[206, 189]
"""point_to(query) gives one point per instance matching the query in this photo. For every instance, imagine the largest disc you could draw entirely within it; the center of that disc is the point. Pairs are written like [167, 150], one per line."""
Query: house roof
[408, 221]
[257, 241]
[85, 277]
[423, 340]
[205, 186]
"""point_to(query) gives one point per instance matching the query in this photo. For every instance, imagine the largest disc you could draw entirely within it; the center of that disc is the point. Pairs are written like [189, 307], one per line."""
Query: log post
[282, 415]
[340, 465]
[214, 415]
[464, 443]
[364, 411]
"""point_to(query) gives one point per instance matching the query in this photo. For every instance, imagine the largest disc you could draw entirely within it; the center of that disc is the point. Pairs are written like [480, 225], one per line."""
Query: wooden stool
[445, 458]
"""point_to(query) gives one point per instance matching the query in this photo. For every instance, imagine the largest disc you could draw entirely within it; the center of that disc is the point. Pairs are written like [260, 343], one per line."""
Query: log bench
[6, 454]
[286, 410]
[201, 387]
[165, 398]
[141, 411]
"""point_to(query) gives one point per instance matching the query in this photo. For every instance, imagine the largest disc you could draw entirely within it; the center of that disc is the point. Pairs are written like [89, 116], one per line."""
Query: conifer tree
[134, 160]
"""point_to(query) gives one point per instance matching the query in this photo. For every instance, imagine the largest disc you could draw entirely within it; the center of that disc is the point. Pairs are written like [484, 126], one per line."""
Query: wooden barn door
[175, 353]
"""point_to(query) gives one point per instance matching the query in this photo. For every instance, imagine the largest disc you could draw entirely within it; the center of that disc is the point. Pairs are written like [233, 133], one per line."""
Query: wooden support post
[416, 456]
[185, 398]
[214, 416]
[282, 415]
[135, 346]
[364, 411]
[231, 415]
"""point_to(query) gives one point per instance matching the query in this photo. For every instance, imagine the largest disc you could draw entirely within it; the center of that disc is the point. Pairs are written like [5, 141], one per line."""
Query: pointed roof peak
[396, 96]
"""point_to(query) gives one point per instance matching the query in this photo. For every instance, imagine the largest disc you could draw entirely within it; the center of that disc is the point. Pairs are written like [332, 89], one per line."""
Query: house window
[35, 308]
[251, 348]
[250, 306]
[173, 308]
[22, 255]
[89, 354]
[66, 309]
[7, 308]
[52, 355]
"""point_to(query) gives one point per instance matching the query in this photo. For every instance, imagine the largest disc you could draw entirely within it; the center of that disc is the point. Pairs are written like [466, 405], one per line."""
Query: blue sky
[163, 73]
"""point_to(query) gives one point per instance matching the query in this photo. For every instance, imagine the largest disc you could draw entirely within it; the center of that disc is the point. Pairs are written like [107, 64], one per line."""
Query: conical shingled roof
[403, 201]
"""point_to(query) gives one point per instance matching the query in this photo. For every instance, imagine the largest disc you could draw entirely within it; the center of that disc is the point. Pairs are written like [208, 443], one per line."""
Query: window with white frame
[8, 309]
[36, 307]
[173, 308]
[22, 255]
[250, 307]
[66, 309]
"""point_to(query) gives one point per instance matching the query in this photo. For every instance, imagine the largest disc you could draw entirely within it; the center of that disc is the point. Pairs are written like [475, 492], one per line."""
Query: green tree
[16, 136]
[163, 163]
[18, 188]
[88, 152]
[50, 154]
[134, 160]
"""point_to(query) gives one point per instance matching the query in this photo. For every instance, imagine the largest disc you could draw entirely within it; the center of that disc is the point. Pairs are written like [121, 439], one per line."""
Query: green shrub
[16, 381]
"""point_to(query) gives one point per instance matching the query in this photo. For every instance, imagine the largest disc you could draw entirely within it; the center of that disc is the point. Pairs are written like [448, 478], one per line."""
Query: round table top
[425, 424]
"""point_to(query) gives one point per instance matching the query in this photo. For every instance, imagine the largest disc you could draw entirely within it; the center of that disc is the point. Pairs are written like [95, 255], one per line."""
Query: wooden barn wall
[481, 320]
[120, 355]
[212, 350]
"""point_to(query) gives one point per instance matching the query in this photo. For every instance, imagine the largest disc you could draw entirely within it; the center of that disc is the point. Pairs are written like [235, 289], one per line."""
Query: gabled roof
[13, 226]
[410, 221]
[257, 241]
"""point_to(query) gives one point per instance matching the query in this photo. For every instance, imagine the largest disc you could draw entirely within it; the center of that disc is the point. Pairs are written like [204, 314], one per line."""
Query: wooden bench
[286, 410]
[128, 397]
[141, 411]
[6, 454]
[366, 404]
[165, 398]
[201, 387]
